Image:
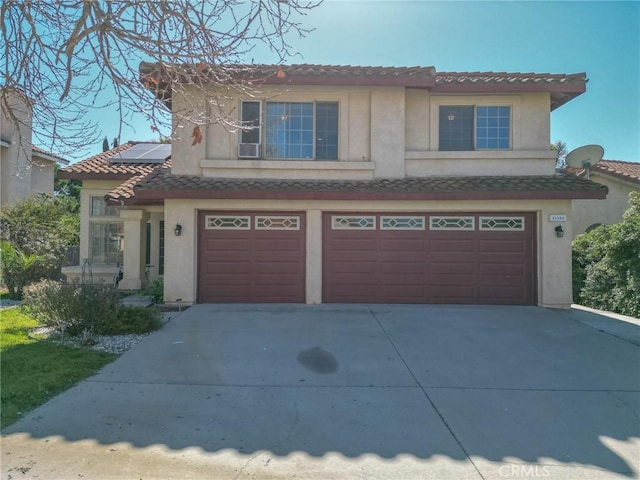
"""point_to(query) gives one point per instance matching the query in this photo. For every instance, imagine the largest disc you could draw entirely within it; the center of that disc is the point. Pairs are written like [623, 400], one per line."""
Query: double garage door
[461, 258]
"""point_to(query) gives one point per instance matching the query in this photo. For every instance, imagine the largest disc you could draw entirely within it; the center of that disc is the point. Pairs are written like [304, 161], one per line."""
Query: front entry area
[251, 257]
[461, 258]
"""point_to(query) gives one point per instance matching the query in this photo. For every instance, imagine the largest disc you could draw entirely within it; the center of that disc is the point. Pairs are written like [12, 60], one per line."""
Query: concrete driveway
[350, 391]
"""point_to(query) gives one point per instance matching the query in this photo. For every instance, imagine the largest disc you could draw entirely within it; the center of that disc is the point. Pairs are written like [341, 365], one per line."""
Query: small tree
[71, 58]
[17, 269]
[560, 148]
[44, 226]
[606, 264]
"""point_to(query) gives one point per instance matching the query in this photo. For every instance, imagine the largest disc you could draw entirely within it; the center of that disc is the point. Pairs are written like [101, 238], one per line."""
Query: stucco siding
[16, 158]
[42, 177]
[392, 128]
[606, 212]
[417, 126]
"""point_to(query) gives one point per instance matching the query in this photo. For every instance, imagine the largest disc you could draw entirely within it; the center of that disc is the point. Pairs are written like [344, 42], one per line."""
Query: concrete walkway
[350, 391]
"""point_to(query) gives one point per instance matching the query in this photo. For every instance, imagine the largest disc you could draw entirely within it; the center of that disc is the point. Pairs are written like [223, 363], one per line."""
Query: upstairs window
[291, 130]
[464, 128]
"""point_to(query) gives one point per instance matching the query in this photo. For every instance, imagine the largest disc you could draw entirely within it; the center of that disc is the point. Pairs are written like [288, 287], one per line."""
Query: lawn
[33, 371]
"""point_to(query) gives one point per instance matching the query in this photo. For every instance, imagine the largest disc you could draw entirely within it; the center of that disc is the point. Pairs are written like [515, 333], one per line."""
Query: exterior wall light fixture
[177, 229]
[559, 231]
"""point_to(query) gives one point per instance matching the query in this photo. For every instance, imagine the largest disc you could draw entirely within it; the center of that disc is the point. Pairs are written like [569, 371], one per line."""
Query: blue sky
[599, 38]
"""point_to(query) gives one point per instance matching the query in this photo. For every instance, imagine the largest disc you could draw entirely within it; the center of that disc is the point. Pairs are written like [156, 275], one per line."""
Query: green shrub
[17, 268]
[155, 290]
[606, 265]
[76, 308]
[133, 320]
[42, 225]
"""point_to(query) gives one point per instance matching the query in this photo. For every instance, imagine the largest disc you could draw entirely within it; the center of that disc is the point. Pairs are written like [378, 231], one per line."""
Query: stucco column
[135, 228]
[314, 257]
[154, 247]
[554, 257]
[387, 132]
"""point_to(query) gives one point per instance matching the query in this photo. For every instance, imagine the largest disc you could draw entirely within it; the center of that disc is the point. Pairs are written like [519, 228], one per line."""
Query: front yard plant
[86, 310]
[72, 308]
[606, 265]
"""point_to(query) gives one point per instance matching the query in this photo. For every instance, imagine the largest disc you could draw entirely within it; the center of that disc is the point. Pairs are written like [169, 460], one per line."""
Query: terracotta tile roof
[125, 190]
[310, 70]
[443, 78]
[162, 184]
[629, 171]
[106, 165]
[562, 87]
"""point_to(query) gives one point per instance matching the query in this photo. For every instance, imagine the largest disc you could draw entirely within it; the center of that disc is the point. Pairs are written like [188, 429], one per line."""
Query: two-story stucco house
[24, 168]
[361, 184]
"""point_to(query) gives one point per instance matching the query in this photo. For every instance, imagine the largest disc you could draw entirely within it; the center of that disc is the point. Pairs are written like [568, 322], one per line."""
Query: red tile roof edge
[624, 170]
[161, 184]
[102, 166]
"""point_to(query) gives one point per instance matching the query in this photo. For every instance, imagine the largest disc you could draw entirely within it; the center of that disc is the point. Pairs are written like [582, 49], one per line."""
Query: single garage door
[474, 258]
[251, 257]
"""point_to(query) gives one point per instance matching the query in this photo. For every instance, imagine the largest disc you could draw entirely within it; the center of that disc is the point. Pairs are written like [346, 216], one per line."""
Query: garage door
[473, 258]
[251, 257]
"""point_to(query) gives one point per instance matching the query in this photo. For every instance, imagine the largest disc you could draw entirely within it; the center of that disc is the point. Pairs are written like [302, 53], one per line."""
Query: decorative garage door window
[401, 223]
[227, 222]
[277, 222]
[451, 223]
[353, 223]
[502, 223]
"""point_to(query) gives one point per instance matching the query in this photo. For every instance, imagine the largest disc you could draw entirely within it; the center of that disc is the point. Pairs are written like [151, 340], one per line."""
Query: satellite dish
[585, 157]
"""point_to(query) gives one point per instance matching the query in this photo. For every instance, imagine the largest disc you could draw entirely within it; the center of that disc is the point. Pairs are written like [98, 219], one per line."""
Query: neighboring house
[24, 168]
[621, 178]
[358, 184]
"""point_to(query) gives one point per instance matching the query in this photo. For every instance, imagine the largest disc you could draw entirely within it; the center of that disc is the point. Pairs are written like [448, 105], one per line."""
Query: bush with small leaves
[606, 264]
[69, 306]
[155, 290]
[134, 320]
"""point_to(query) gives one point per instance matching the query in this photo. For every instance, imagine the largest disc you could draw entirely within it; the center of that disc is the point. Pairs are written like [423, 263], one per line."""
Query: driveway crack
[424, 392]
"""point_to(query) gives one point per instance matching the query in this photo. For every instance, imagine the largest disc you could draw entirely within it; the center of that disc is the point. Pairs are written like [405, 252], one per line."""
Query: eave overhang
[160, 186]
[562, 88]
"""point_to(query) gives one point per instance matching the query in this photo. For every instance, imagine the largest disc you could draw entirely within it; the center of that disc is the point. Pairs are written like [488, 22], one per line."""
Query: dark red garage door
[251, 257]
[475, 258]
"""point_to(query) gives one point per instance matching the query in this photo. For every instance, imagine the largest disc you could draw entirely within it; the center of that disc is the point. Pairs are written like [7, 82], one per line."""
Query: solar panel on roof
[144, 153]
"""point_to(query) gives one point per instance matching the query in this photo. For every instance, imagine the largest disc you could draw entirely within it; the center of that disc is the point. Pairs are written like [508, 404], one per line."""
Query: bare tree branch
[71, 57]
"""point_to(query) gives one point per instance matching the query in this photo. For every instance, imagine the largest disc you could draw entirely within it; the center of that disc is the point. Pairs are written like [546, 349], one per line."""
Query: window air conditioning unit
[249, 150]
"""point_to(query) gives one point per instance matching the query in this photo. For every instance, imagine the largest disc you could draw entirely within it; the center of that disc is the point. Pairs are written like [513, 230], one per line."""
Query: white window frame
[337, 225]
[469, 228]
[244, 218]
[294, 218]
[106, 210]
[483, 228]
[418, 218]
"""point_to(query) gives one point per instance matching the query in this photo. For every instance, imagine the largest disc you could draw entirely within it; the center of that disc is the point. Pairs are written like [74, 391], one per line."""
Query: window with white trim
[353, 223]
[106, 242]
[401, 223]
[451, 223]
[100, 208]
[289, 130]
[502, 223]
[480, 127]
[277, 222]
[227, 222]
